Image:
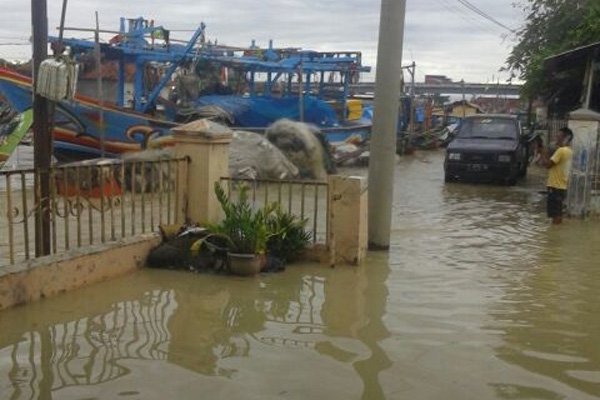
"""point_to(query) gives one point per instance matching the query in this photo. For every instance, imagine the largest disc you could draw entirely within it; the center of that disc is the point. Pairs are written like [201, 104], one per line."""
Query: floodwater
[479, 298]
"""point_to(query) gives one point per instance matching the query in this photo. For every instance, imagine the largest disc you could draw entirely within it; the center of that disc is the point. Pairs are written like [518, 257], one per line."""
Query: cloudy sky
[442, 36]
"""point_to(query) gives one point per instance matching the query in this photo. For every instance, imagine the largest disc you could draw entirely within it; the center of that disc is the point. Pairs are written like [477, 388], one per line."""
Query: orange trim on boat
[68, 136]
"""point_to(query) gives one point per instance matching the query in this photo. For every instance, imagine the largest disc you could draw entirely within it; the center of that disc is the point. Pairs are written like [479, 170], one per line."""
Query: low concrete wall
[52, 275]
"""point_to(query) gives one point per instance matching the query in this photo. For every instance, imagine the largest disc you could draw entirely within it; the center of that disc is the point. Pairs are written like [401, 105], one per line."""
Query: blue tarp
[259, 112]
[403, 116]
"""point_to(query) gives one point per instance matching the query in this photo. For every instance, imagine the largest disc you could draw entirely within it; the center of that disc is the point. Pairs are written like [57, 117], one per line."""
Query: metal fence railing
[307, 200]
[89, 203]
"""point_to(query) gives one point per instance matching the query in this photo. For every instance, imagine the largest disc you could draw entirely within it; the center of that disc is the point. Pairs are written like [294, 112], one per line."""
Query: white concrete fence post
[206, 145]
[582, 199]
[348, 220]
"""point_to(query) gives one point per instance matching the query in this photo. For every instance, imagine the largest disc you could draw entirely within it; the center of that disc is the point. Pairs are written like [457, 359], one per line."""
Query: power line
[468, 17]
[483, 14]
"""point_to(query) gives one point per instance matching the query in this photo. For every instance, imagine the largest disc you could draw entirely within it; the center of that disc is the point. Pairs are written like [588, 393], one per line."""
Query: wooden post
[41, 135]
[98, 57]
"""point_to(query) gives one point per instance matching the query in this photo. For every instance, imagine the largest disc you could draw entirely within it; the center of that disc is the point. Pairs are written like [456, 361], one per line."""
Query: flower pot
[246, 264]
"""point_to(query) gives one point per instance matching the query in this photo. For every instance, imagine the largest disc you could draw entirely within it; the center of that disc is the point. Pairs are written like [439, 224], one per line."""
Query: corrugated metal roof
[570, 58]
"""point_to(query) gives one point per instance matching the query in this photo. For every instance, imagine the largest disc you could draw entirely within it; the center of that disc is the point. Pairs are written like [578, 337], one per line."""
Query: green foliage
[552, 27]
[288, 237]
[245, 229]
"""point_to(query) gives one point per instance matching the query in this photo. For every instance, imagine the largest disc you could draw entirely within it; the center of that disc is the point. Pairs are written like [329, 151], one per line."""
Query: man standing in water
[559, 168]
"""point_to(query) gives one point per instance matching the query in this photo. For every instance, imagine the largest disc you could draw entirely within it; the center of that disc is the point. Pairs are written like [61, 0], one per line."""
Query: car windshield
[488, 128]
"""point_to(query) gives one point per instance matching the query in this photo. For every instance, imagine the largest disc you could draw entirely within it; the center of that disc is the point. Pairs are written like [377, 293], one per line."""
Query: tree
[552, 27]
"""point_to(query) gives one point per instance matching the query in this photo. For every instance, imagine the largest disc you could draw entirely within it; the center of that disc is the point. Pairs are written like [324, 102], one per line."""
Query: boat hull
[80, 124]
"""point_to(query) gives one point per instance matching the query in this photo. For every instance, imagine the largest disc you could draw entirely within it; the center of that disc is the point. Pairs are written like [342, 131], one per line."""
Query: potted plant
[246, 232]
[288, 237]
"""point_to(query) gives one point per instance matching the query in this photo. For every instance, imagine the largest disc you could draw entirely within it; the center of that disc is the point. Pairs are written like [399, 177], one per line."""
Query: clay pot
[246, 264]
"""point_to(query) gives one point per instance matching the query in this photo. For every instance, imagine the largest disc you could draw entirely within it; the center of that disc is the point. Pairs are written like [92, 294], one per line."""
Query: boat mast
[121, 61]
[167, 75]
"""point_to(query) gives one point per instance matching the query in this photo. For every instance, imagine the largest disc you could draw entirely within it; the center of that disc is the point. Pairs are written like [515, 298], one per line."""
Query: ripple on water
[586, 376]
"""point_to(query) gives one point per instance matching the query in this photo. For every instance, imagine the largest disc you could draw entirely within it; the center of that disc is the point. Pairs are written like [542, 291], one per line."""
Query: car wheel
[512, 180]
[523, 170]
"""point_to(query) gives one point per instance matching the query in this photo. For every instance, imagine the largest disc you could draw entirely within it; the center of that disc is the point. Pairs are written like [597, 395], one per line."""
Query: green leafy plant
[288, 237]
[551, 27]
[268, 230]
[245, 229]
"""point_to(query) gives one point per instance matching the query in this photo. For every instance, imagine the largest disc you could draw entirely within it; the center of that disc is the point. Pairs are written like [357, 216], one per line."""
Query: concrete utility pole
[385, 122]
[42, 139]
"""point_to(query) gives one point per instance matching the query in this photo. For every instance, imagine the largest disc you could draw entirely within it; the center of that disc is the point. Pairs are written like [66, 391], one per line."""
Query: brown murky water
[479, 299]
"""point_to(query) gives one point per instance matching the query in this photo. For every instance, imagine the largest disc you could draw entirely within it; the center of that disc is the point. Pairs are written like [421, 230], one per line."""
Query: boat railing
[92, 202]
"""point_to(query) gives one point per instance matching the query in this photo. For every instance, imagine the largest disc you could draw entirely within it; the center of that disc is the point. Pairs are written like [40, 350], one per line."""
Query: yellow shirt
[558, 174]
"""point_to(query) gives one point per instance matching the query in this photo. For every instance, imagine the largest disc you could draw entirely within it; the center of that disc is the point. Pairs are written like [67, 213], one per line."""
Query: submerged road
[479, 298]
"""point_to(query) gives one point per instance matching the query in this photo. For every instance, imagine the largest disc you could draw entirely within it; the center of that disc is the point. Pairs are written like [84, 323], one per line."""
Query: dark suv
[487, 148]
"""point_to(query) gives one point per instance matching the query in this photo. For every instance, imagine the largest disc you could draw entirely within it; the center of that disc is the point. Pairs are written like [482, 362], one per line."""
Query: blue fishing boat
[175, 82]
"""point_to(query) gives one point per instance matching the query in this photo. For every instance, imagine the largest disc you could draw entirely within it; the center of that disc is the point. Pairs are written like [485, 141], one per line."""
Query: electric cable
[468, 17]
[483, 14]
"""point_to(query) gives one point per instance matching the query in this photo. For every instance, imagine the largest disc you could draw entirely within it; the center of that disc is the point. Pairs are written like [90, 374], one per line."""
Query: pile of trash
[352, 152]
[428, 140]
[355, 152]
[175, 251]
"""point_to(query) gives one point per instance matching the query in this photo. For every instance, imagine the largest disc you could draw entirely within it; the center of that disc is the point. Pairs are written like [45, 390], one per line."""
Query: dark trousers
[556, 198]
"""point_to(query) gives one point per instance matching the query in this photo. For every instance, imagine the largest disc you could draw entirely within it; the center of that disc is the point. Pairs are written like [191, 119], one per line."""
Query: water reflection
[369, 325]
[87, 351]
[210, 326]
